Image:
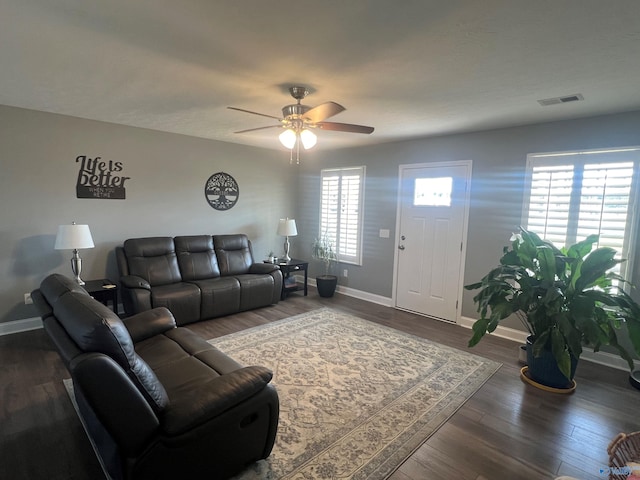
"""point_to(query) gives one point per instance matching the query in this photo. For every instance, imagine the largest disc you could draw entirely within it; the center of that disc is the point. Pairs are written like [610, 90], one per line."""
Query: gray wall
[499, 162]
[165, 193]
[164, 196]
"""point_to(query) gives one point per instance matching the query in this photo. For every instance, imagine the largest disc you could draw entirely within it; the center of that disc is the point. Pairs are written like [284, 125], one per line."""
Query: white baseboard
[17, 326]
[502, 332]
[26, 324]
[601, 358]
[607, 359]
[369, 297]
[352, 292]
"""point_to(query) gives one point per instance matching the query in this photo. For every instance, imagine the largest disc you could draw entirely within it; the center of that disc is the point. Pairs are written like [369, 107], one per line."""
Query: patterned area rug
[356, 398]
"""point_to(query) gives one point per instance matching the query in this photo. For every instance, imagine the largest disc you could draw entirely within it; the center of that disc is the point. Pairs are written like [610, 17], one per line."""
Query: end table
[103, 290]
[288, 282]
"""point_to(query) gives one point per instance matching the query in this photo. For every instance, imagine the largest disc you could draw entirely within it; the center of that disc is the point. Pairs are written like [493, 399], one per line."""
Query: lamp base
[76, 267]
[286, 256]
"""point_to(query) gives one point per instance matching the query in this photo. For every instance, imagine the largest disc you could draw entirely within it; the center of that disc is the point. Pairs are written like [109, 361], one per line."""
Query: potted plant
[566, 298]
[322, 249]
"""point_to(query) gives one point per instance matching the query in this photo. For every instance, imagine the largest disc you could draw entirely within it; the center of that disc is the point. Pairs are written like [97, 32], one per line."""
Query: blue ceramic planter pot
[544, 369]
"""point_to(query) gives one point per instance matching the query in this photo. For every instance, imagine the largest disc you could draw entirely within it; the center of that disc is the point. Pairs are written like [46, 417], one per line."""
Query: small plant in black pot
[322, 249]
[566, 298]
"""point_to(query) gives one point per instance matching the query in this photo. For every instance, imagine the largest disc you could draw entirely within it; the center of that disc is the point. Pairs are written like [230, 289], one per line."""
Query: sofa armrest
[135, 293]
[133, 281]
[213, 398]
[275, 272]
[149, 323]
[263, 268]
[115, 400]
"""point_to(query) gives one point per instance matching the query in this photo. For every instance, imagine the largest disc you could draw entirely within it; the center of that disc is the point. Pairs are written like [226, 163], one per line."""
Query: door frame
[465, 227]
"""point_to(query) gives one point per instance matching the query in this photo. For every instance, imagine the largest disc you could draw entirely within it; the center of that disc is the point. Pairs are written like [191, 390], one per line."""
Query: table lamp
[287, 228]
[74, 237]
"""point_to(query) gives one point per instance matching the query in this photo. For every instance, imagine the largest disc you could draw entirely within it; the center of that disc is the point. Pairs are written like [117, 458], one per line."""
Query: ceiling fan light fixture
[288, 138]
[308, 138]
[298, 122]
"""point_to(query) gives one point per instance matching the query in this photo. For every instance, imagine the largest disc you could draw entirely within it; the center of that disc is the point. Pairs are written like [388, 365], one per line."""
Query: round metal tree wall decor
[221, 191]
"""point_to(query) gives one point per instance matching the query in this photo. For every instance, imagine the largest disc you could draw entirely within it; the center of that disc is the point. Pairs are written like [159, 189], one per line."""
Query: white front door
[432, 217]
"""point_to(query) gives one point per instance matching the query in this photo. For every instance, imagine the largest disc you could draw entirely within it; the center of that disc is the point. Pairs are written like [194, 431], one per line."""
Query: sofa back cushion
[56, 285]
[196, 257]
[95, 328]
[154, 259]
[234, 253]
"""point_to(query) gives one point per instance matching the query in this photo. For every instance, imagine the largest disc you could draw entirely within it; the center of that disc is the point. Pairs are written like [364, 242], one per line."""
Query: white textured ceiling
[408, 68]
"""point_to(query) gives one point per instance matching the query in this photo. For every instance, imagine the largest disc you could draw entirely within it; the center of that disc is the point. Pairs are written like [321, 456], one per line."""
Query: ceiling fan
[299, 120]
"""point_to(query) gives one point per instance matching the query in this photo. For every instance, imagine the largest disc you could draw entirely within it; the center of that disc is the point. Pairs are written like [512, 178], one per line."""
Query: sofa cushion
[95, 328]
[234, 253]
[153, 259]
[196, 257]
[178, 343]
[182, 299]
[255, 290]
[220, 296]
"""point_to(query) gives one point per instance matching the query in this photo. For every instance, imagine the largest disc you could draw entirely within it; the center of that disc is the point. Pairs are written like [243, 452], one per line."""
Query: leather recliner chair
[157, 400]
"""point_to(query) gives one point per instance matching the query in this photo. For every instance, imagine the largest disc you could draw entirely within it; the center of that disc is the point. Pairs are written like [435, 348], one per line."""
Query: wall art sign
[99, 178]
[221, 191]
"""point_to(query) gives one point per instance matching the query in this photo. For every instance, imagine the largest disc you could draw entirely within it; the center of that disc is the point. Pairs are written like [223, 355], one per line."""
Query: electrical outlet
[345, 273]
[27, 299]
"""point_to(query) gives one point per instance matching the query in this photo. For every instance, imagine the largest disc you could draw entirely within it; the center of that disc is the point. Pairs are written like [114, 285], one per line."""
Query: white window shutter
[341, 211]
[577, 194]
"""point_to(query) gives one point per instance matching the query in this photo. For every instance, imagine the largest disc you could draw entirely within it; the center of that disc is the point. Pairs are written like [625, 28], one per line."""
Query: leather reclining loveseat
[196, 277]
[157, 400]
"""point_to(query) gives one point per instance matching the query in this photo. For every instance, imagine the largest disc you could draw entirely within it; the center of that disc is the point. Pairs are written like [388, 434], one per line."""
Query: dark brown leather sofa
[196, 277]
[157, 400]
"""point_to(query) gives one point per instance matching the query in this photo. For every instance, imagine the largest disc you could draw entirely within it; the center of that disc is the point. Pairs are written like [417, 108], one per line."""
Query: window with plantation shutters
[341, 211]
[575, 194]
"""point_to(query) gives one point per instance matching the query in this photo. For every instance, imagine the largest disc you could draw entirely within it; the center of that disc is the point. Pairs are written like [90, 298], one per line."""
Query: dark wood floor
[507, 430]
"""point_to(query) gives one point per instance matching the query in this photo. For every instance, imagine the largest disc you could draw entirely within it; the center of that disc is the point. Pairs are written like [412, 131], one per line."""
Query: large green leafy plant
[566, 298]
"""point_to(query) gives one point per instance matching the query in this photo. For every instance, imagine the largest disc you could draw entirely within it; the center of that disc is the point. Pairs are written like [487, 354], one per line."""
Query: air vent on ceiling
[557, 100]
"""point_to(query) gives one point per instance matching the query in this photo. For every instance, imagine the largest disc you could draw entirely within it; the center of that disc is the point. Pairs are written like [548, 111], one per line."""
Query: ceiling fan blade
[254, 113]
[259, 128]
[344, 127]
[323, 111]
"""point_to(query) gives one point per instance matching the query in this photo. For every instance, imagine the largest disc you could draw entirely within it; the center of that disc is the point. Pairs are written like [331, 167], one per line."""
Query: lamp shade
[287, 227]
[308, 138]
[73, 236]
[288, 138]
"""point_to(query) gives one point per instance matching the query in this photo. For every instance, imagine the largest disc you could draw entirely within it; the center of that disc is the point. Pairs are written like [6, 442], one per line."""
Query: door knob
[400, 247]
